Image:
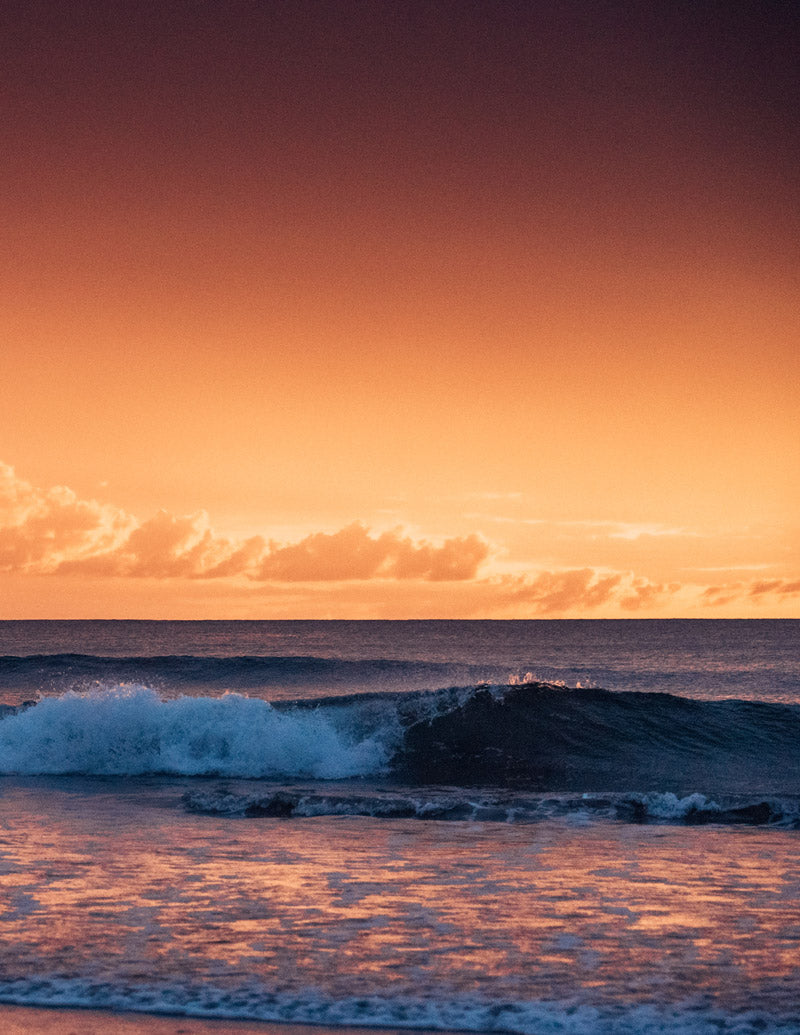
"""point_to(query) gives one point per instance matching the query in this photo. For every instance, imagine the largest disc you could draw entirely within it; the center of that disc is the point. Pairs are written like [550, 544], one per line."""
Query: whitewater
[483, 826]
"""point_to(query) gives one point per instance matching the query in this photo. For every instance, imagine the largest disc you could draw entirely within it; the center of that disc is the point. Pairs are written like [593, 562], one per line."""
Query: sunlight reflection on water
[113, 882]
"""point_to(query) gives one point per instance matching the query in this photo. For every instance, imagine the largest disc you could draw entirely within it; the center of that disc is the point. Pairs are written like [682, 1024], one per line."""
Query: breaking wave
[131, 731]
[535, 737]
[632, 807]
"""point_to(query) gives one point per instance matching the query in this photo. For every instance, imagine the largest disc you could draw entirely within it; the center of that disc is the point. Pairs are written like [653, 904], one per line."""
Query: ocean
[583, 827]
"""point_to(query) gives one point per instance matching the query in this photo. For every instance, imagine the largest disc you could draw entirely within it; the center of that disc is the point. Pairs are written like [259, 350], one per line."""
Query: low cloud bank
[54, 532]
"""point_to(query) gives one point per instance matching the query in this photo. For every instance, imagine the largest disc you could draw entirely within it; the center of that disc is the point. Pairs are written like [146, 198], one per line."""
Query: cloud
[551, 592]
[163, 547]
[575, 590]
[591, 529]
[185, 547]
[353, 553]
[39, 528]
[777, 587]
[756, 590]
[718, 596]
[644, 593]
[55, 532]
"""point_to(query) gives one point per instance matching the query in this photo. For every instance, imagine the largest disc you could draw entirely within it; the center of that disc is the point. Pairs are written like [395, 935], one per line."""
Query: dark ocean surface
[535, 827]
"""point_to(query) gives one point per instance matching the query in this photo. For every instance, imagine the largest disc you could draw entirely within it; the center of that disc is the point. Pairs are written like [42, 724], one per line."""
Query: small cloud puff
[756, 590]
[577, 589]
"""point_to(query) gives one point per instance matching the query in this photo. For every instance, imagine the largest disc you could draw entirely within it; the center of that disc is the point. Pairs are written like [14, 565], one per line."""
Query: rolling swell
[544, 737]
[22, 677]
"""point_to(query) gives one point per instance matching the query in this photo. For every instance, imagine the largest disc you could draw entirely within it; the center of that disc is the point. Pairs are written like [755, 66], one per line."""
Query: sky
[419, 309]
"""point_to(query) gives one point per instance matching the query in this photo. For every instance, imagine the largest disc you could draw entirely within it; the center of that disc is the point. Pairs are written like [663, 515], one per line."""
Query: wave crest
[130, 730]
[530, 736]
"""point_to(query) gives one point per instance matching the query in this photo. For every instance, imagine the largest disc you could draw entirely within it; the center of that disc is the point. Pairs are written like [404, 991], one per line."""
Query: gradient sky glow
[409, 309]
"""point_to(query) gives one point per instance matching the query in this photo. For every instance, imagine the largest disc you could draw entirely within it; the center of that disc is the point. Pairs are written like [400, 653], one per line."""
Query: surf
[530, 736]
[131, 730]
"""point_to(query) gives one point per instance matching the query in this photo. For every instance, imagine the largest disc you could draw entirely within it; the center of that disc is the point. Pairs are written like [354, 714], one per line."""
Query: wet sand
[25, 1020]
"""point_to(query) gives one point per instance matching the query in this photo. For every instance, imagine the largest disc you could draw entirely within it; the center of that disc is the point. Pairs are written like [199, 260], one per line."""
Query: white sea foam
[380, 1011]
[129, 730]
[666, 805]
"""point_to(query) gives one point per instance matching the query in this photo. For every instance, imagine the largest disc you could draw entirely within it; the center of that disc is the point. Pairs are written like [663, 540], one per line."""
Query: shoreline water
[599, 861]
[26, 1020]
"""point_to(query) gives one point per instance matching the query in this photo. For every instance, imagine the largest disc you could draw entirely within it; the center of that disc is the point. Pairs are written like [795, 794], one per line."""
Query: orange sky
[411, 310]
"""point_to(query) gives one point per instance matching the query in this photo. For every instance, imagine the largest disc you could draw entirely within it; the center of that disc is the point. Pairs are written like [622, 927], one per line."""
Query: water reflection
[107, 887]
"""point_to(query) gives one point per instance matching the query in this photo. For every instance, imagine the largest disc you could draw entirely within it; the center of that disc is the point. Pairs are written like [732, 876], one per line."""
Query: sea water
[585, 827]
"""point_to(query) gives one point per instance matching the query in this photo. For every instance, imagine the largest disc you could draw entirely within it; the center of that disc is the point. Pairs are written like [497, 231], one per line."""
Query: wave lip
[131, 731]
[542, 737]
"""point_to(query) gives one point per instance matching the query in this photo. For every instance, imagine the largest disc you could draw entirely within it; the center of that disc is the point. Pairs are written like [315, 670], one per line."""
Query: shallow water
[112, 895]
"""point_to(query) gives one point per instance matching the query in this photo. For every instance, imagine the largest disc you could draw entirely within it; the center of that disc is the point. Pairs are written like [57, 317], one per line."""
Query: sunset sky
[399, 309]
